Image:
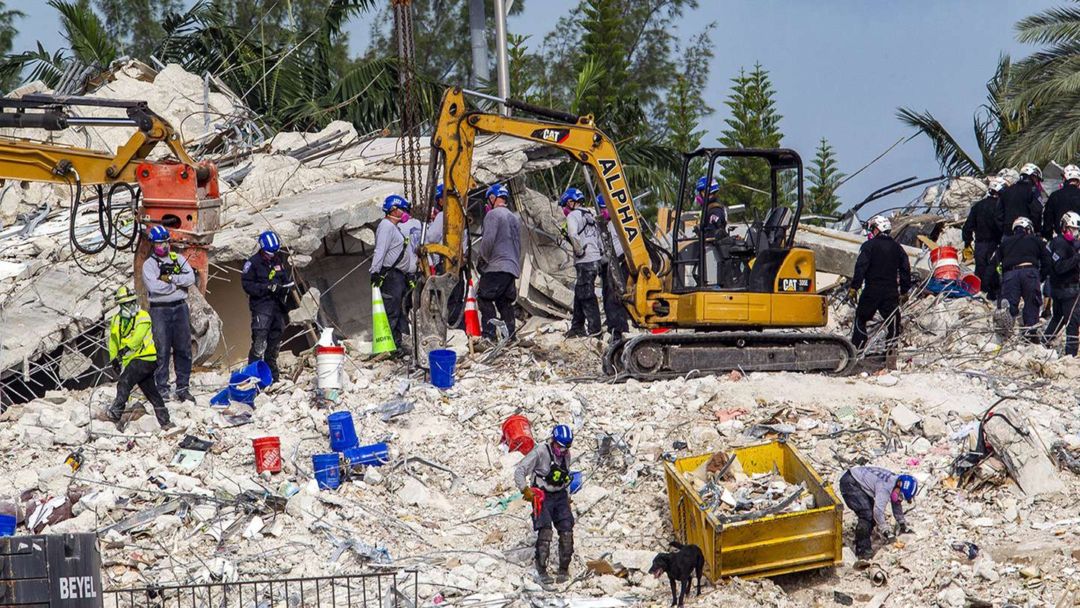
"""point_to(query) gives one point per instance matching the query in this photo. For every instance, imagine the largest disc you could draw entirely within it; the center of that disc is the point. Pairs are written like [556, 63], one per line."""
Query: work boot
[566, 552]
[185, 395]
[543, 548]
[562, 576]
[574, 333]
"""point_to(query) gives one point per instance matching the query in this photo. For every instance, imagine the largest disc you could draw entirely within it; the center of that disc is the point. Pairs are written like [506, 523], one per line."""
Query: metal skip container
[57, 570]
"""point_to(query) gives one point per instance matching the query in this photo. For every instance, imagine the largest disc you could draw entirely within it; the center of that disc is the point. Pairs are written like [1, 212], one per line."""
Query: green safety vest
[133, 334]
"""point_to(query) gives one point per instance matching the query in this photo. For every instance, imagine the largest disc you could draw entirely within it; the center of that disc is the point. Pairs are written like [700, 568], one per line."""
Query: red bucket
[971, 284]
[946, 264]
[267, 454]
[517, 434]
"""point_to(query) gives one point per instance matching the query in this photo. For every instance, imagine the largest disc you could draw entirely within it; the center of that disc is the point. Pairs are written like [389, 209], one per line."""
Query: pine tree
[754, 123]
[11, 79]
[603, 44]
[824, 178]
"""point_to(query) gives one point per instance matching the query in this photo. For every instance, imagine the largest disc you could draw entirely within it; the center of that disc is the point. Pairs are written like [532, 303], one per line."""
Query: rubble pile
[728, 491]
[445, 502]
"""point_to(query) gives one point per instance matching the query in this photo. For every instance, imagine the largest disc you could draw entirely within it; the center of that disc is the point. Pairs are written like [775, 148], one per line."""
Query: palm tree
[996, 127]
[1046, 88]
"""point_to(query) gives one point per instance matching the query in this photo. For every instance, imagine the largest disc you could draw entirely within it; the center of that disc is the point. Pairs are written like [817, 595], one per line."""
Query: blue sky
[840, 67]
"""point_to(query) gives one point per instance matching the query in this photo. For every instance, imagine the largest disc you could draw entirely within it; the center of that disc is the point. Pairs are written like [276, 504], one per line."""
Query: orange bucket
[946, 263]
[517, 434]
[267, 454]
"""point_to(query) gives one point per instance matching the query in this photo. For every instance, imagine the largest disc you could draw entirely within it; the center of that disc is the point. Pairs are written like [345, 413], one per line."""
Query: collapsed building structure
[445, 501]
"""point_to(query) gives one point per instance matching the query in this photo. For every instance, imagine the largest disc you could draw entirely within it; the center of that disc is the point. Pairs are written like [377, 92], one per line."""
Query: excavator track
[659, 356]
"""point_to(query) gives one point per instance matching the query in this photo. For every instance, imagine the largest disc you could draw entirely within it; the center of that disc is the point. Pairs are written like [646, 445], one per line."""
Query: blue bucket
[442, 363]
[327, 470]
[7, 525]
[342, 431]
[576, 479]
[245, 384]
[374, 455]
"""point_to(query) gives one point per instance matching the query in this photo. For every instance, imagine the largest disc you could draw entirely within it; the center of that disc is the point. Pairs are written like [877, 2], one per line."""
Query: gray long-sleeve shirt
[173, 290]
[879, 483]
[582, 228]
[389, 244]
[616, 244]
[500, 246]
[536, 465]
[411, 230]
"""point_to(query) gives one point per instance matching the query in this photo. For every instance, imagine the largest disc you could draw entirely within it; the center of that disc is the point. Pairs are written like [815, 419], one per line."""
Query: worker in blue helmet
[499, 262]
[868, 491]
[412, 230]
[390, 266]
[267, 278]
[455, 303]
[613, 275]
[547, 468]
[167, 276]
[583, 233]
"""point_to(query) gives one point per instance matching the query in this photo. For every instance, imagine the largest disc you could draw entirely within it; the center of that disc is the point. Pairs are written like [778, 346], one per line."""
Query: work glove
[969, 254]
[887, 534]
[852, 294]
[115, 364]
[527, 494]
[412, 283]
[904, 529]
[563, 232]
[377, 279]
[273, 287]
[166, 277]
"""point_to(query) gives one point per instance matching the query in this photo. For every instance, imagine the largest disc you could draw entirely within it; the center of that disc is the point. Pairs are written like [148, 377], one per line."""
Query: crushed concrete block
[933, 428]
[70, 434]
[920, 446]
[37, 436]
[904, 417]
[1024, 457]
[986, 570]
[634, 559]
[412, 492]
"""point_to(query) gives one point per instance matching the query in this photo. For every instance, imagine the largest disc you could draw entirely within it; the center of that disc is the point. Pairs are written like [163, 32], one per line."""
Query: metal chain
[410, 107]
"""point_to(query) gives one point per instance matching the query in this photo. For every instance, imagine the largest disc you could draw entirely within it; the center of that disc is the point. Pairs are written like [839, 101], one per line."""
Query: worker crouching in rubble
[1065, 282]
[133, 355]
[884, 267]
[1025, 263]
[549, 467]
[867, 491]
[584, 235]
[267, 280]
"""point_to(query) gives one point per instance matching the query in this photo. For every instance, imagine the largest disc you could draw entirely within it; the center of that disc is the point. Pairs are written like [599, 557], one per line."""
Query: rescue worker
[1022, 199]
[982, 227]
[1063, 200]
[547, 469]
[713, 226]
[884, 267]
[411, 229]
[1009, 175]
[1065, 282]
[1025, 262]
[499, 255]
[584, 236]
[133, 356]
[867, 491]
[267, 280]
[167, 276]
[455, 303]
[390, 265]
[613, 276]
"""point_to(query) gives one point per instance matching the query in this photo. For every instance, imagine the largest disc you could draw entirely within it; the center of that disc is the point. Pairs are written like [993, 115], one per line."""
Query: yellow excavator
[734, 292]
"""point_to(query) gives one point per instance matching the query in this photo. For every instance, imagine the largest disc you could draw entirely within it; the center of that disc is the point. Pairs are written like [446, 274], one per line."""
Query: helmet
[1071, 219]
[600, 202]
[1071, 172]
[439, 191]
[880, 222]
[498, 190]
[1010, 175]
[1031, 169]
[395, 201]
[997, 184]
[124, 295]
[1023, 222]
[713, 188]
[909, 486]
[563, 435]
[571, 194]
[269, 241]
[159, 234]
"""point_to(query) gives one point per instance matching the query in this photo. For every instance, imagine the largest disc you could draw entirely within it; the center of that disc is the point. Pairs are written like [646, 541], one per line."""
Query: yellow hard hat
[125, 295]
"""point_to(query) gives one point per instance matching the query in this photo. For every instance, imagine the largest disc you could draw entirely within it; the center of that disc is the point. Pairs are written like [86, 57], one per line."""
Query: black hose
[75, 201]
[115, 233]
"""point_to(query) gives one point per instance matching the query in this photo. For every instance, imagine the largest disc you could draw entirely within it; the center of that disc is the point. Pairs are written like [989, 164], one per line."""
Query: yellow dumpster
[768, 545]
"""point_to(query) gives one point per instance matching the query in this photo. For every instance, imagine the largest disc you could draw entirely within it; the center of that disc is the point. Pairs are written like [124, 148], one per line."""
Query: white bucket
[329, 363]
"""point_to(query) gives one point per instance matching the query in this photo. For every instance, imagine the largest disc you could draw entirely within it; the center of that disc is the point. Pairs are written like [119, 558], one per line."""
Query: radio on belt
[57, 570]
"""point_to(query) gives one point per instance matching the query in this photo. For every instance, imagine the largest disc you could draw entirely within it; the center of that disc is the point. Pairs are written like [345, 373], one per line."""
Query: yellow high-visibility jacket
[133, 334]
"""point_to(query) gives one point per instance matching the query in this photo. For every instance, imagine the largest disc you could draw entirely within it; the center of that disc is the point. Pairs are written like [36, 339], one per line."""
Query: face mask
[488, 208]
[404, 217]
[566, 211]
[161, 250]
[895, 496]
[128, 310]
[558, 450]
[1068, 235]
[604, 214]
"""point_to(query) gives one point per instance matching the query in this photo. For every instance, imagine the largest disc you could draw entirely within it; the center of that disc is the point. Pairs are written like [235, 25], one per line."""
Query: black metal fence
[381, 590]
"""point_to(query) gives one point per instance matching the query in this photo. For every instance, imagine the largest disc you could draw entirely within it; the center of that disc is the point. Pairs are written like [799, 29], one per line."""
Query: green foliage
[10, 78]
[135, 25]
[996, 127]
[84, 31]
[754, 123]
[824, 177]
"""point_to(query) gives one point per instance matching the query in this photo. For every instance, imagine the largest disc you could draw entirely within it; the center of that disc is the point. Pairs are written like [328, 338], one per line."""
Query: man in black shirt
[1025, 262]
[1065, 199]
[884, 267]
[1022, 199]
[1065, 282]
[983, 228]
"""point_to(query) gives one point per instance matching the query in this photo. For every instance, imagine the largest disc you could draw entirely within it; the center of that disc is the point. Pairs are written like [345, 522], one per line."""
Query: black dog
[680, 566]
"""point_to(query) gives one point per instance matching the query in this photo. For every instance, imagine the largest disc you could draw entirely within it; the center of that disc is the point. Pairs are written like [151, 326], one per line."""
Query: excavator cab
[735, 247]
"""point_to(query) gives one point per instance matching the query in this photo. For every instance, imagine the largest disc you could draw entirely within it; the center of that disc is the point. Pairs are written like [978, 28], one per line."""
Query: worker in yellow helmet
[133, 356]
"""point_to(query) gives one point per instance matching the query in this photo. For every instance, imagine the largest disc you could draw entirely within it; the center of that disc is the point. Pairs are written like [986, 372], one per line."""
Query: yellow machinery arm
[453, 140]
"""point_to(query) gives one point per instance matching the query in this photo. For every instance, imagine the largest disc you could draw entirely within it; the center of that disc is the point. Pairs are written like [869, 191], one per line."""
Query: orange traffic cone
[472, 316]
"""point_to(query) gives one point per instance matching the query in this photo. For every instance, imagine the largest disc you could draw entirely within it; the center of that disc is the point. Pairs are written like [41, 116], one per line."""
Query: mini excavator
[741, 300]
